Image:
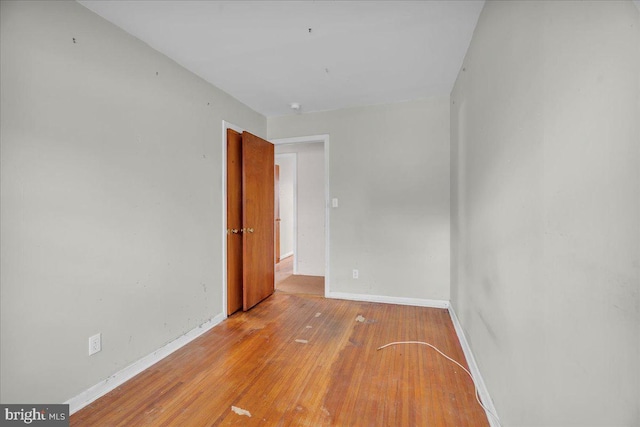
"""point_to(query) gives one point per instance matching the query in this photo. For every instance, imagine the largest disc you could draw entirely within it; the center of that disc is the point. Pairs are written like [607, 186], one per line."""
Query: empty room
[320, 213]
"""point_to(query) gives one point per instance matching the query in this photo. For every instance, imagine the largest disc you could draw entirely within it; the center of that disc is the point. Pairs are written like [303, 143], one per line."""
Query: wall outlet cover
[95, 344]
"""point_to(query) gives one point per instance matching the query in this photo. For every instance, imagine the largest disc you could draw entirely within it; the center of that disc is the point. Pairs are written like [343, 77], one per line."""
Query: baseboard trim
[483, 392]
[287, 255]
[389, 300]
[105, 386]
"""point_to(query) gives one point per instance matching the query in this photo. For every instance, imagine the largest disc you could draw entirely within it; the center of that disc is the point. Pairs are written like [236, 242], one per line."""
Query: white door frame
[327, 204]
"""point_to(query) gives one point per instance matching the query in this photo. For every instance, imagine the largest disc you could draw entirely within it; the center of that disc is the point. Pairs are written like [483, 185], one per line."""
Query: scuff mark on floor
[241, 411]
[362, 319]
[318, 314]
[355, 343]
[308, 327]
[302, 341]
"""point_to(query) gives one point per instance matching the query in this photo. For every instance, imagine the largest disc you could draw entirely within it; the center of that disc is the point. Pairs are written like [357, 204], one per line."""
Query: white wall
[389, 168]
[310, 221]
[546, 208]
[287, 163]
[111, 192]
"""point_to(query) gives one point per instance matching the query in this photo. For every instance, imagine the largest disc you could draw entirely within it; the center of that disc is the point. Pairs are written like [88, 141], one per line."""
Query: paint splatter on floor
[241, 411]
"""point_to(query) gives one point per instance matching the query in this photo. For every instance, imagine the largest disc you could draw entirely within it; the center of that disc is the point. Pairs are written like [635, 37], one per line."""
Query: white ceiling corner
[263, 54]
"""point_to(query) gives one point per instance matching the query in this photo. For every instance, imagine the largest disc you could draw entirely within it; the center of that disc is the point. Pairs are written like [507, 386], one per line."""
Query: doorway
[295, 140]
[304, 215]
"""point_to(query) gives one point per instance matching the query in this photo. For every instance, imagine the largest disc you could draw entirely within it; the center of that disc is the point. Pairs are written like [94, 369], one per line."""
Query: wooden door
[258, 271]
[277, 212]
[234, 221]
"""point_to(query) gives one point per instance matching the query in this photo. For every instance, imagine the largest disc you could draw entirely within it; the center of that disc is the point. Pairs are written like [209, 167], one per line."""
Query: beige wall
[389, 169]
[111, 199]
[546, 208]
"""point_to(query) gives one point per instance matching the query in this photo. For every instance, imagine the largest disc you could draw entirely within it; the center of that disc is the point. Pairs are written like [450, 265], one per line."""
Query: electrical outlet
[355, 274]
[95, 344]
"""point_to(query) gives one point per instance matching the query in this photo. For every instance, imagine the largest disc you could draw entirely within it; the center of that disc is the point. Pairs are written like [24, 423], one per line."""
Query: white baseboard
[287, 255]
[433, 303]
[105, 386]
[483, 392]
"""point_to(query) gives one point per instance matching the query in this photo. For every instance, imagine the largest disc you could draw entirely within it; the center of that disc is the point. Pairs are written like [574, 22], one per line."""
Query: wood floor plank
[297, 360]
[291, 283]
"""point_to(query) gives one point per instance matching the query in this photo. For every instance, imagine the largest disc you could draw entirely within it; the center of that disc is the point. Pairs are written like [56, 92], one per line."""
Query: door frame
[327, 203]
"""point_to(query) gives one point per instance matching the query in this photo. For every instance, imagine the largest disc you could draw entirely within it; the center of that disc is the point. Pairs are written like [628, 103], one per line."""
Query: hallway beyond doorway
[290, 283]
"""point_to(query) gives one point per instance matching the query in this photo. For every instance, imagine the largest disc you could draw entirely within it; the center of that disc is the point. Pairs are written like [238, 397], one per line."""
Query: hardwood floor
[303, 361]
[291, 283]
[284, 269]
[303, 285]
